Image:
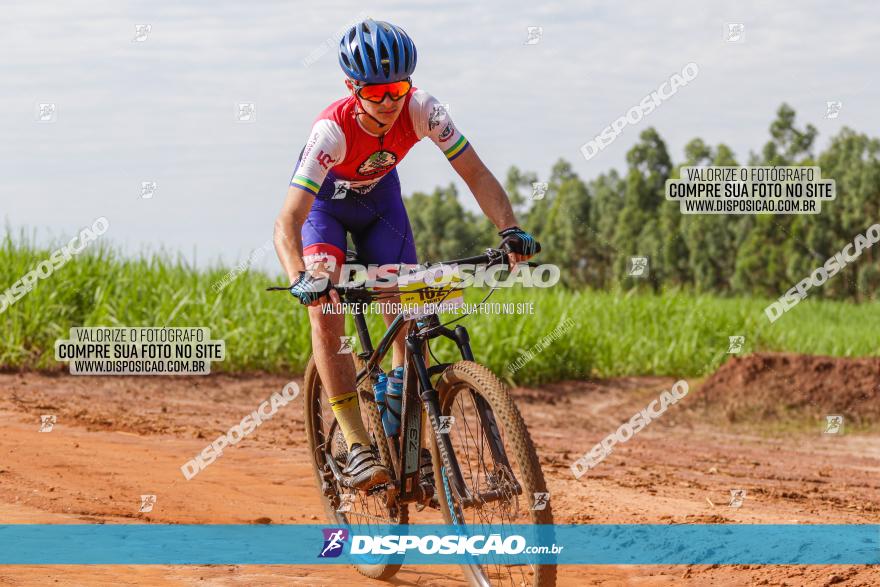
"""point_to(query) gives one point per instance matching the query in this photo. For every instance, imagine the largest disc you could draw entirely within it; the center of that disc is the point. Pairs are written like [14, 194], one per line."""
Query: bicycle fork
[431, 401]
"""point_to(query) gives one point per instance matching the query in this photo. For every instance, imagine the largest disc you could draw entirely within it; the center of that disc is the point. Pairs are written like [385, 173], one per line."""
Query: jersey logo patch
[325, 160]
[378, 162]
[446, 134]
[438, 115]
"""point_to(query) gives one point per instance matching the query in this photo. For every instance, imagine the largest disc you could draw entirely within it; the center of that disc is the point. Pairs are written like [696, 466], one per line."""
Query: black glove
[308, 288]
[518, 241]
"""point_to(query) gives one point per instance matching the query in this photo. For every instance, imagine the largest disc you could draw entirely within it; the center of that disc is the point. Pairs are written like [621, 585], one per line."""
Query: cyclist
[345, 182]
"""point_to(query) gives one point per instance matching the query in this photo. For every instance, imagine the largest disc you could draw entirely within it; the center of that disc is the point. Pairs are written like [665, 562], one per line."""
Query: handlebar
[490, 257]
[359, 293]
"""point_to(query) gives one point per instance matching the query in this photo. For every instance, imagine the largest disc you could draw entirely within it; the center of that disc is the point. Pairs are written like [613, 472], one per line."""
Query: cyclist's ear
[349, 85]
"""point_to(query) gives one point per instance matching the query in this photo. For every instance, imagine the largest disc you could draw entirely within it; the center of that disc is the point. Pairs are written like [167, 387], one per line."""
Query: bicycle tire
[517, 444]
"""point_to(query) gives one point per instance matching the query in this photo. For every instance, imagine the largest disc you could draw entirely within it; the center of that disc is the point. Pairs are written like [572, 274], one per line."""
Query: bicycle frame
[419, 391]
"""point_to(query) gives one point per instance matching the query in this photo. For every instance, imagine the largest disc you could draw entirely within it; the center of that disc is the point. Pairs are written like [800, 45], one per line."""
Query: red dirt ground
[118, 438]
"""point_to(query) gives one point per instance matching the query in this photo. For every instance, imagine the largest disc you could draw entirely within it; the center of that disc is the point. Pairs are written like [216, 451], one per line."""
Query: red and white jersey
[339, 143]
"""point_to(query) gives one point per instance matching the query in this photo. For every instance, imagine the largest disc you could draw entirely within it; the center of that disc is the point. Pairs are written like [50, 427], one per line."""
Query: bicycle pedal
[432, 503]
[390, 490]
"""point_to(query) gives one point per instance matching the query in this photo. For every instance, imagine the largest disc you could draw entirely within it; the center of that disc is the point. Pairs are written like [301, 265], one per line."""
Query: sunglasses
[377, 92]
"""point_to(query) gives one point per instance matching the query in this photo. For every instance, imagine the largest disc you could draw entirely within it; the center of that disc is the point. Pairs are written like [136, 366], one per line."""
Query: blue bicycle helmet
[374, 52]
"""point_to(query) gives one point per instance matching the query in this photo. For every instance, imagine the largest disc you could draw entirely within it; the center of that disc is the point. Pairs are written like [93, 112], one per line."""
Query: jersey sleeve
[430, 118]
[324, 149]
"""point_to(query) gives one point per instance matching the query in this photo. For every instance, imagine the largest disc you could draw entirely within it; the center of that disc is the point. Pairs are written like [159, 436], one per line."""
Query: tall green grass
[611, 333]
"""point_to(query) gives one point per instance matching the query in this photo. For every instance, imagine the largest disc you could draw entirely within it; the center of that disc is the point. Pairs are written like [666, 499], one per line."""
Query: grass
[610, 333]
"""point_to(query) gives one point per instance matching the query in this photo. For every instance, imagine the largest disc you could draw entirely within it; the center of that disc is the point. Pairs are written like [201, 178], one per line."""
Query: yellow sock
[348, 415]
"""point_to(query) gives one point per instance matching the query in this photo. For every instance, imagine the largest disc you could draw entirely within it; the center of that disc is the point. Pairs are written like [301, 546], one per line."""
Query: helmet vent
[370, 56]
[358, 59]
[407, 59]
[384, 60]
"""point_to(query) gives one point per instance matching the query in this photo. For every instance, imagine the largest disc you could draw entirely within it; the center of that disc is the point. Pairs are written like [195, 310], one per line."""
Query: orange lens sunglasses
[377, 92]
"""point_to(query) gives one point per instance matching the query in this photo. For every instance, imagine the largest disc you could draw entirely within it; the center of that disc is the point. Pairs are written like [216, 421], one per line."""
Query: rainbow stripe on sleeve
[304, 183]
[457, 149]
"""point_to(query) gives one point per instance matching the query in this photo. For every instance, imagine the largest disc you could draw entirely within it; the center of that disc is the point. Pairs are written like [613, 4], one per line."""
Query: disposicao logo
[334, 541]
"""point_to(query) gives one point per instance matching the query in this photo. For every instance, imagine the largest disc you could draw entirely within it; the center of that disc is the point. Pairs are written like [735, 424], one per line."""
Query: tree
[561, 221]
[852, 160]
[649, 168]
[607, 190]
[711, 238]
[787, 144]
[764, 241]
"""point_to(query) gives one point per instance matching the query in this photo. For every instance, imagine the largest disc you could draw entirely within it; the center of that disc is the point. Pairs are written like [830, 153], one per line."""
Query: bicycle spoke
[364, 508]
[482, 473]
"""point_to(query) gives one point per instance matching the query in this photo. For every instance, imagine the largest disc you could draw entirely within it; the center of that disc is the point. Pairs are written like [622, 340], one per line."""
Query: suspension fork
[487, 418]
[431, 401]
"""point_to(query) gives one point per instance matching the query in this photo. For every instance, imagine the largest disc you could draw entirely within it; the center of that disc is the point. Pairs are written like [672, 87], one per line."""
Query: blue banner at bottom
[611, 544]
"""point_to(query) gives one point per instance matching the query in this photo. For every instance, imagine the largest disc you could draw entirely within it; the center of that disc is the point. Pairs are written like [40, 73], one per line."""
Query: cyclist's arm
[489, 194]
[325, 147]
[288, 231]
[487, 190]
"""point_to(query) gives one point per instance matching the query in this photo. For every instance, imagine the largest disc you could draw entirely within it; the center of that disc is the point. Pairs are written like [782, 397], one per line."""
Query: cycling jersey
[358, 159]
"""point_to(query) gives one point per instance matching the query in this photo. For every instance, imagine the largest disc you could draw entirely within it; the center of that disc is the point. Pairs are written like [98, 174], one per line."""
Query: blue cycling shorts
[376, 220]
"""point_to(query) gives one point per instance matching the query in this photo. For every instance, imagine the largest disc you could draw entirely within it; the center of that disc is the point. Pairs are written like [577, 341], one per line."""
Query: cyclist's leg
[324, 248]
[324, 241]
[387, 240]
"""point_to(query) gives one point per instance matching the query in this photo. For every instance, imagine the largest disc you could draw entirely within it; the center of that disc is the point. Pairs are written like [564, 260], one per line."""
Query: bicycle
[478, 482]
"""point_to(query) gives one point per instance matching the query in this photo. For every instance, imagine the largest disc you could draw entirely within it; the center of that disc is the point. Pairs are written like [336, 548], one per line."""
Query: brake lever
[504, 259]
[500, 259]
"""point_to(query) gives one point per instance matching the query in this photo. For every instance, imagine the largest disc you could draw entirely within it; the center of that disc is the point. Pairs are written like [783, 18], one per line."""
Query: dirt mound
[782, 385]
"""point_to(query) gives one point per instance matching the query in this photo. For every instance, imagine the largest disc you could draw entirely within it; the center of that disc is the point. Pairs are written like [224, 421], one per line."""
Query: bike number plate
[430, 291]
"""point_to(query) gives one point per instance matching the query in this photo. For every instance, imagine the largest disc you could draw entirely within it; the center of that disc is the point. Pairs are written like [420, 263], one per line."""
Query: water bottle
[394, 398]
[389, 422]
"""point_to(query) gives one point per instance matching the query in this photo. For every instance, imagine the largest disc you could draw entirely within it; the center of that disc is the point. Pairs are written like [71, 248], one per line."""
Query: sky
[163, 107]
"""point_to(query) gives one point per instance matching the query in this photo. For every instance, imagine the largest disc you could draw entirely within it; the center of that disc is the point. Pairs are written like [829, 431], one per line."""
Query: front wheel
[465, 389]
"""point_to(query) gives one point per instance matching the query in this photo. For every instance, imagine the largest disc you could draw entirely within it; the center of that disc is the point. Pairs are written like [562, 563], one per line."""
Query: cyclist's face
[385, 111]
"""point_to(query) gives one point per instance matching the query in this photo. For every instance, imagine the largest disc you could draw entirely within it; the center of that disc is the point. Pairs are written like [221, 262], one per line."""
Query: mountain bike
[478, 469]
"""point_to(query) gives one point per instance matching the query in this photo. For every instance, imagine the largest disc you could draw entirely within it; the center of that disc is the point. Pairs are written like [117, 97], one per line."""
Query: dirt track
[118, 438]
